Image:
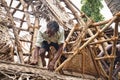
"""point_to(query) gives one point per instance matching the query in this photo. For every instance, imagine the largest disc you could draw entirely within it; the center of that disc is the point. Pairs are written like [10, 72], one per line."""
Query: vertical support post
[113, 50]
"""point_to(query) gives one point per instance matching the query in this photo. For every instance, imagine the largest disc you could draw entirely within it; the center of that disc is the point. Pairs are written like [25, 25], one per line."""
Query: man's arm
[35, 55]
[55, 58]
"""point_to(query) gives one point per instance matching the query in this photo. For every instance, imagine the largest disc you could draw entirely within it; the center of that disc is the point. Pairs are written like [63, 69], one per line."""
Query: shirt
[42, 36]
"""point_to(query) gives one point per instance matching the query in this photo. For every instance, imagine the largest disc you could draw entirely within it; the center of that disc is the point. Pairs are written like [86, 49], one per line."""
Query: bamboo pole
[69, 5]
[35, 30]
[100, 65]
[91, 34]
[105, 57]
[86, 43]
[100, 23]
[35, 34]
[17, 9]
[92, 51]
[17, 42]
[69, 35]
[106, 40]
[113, 51]
[21, 23]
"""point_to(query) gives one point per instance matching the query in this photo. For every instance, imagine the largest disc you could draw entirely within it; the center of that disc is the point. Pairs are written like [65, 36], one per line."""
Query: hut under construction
[20, 21]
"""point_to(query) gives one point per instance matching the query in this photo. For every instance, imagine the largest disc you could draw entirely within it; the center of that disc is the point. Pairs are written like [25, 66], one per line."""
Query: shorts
[46, 46]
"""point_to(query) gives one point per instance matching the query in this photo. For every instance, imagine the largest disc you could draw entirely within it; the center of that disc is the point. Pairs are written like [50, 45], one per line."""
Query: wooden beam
[43, 73]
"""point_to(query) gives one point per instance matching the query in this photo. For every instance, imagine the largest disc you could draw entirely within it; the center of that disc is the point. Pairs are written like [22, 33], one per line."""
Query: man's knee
[42, 52]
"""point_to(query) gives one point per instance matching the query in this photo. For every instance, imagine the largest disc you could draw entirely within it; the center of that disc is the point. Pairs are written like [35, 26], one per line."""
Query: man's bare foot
[43, 62]
[34, 63]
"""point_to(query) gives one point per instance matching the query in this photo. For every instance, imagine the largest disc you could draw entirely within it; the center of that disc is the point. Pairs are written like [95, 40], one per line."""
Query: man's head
[52, 28]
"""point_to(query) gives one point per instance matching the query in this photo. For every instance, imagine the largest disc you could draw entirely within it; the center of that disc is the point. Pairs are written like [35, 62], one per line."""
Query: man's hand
[51, 66]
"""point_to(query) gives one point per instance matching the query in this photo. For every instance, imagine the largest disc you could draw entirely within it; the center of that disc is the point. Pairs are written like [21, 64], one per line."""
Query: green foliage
[92, 9]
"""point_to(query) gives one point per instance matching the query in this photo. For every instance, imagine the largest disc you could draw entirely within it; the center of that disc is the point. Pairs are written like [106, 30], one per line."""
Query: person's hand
[51, 66]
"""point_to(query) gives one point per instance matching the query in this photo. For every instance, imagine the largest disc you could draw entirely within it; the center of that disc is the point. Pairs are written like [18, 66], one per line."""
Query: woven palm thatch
[5, 44]
[82, 63]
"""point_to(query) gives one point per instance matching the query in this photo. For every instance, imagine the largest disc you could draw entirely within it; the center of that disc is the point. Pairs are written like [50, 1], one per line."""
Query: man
[51, 35]
[117, 59]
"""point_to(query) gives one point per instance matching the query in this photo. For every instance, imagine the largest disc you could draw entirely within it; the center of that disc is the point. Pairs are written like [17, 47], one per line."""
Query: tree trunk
[113, 5]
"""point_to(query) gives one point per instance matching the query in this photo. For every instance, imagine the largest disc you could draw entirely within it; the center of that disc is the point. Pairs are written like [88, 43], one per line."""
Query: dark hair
[53, 25]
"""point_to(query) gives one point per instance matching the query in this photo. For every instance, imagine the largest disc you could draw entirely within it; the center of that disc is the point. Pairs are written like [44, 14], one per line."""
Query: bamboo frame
[15, 33]
[85, 44]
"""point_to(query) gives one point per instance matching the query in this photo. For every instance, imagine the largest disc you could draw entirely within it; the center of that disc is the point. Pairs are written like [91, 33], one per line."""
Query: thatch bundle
[5, 42]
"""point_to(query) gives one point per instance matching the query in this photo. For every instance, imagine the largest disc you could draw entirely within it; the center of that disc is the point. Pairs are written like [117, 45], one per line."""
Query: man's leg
[42, 51]
[42, 55]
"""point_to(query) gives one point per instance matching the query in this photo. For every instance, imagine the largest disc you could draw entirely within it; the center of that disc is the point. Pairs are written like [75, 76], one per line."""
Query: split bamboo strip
[21, 23]
[20, 29]
[25, 41]
[11, 3]
[16, 8]
[15, 18]
[25, 6]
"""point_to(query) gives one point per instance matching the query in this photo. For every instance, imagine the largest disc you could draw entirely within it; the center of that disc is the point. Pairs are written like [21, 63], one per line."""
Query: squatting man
[50, 35]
